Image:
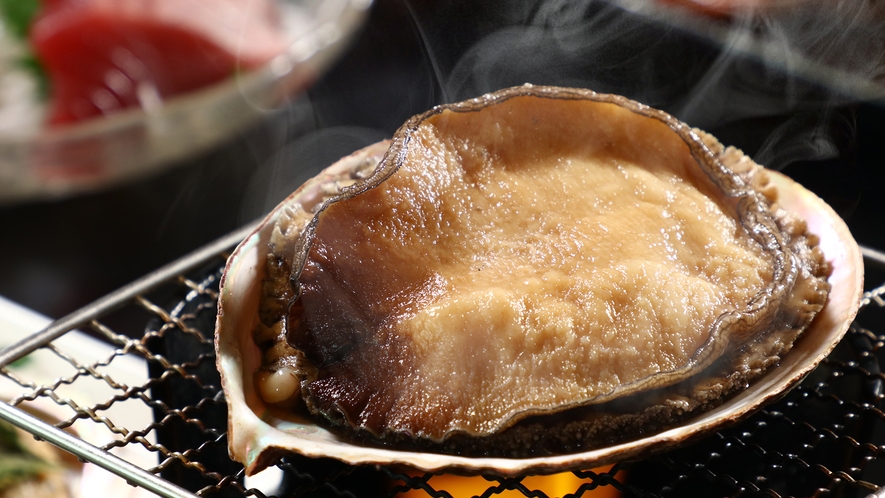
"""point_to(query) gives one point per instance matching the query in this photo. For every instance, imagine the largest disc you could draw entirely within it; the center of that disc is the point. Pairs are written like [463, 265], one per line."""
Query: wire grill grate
[826, 437]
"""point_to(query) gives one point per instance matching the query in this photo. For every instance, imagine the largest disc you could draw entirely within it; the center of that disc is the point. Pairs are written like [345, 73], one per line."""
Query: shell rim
[258, 454]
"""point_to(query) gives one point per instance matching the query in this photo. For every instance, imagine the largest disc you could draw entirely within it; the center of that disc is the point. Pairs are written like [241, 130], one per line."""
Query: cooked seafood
[538, 271]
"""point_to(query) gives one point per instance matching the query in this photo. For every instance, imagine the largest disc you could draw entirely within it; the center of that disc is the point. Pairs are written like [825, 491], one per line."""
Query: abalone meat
[539, 273]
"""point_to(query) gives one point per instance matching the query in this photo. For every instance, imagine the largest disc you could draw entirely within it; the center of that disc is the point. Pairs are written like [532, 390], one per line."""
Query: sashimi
[103, 56]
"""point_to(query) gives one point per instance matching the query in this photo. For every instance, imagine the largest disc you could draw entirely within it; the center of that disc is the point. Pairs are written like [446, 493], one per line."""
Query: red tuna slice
[103, 56]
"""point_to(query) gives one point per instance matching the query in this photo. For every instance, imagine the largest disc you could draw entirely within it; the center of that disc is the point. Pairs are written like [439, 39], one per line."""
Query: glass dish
[102, 152]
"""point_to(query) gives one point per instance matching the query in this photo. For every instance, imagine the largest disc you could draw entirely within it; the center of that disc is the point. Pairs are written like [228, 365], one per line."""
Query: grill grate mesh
[825, 438]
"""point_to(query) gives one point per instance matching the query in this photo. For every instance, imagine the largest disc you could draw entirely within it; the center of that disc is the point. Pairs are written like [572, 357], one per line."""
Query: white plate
[44, 367]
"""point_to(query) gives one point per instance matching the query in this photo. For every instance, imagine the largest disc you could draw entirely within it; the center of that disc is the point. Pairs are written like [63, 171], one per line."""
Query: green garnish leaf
[33, 66]
[24, 360]
[9, 442]
[17, 464]
[18, 15]
[18, 468]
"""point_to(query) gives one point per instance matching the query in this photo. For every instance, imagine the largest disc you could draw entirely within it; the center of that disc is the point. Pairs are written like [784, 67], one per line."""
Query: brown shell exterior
[740, 347]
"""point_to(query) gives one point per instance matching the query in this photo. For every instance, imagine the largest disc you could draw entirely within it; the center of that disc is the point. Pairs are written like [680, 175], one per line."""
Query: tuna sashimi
[103, 56]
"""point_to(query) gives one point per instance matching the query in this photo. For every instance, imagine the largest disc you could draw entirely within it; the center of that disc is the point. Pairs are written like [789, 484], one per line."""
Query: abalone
[540, 271]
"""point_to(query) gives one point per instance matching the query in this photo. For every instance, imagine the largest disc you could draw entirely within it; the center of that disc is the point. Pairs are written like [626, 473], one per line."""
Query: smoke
[841, 39]
[299, 161]
[778, 83]
[773, 81]
[587, 44]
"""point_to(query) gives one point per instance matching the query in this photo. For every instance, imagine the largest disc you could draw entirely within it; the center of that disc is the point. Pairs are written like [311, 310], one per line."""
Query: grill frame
[188, 314]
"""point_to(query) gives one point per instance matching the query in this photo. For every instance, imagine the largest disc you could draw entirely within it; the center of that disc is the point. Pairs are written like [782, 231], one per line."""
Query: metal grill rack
[827, 437]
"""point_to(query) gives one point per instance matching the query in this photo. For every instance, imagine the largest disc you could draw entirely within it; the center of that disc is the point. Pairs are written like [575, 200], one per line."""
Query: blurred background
[117, 157]
[796, 84]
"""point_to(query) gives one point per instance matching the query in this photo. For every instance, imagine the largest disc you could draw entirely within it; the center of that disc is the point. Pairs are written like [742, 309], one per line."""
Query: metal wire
[120, 297]
[827, 437]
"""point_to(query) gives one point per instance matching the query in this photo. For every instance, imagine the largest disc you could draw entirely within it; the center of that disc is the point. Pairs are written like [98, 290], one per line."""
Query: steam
[301, 160]
[784, 73]
[585, 44]
[845, 37]
[777, 82]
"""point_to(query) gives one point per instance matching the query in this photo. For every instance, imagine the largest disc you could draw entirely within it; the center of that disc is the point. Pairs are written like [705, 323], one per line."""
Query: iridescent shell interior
[259, 433]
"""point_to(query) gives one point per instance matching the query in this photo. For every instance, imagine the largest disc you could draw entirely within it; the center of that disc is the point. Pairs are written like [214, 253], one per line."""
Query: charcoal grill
[825, 438]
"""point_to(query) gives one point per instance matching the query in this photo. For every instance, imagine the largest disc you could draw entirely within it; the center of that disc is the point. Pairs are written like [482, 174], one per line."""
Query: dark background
[59, 255]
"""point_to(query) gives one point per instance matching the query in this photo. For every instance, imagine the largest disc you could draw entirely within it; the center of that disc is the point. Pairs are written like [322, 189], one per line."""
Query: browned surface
[534, 256]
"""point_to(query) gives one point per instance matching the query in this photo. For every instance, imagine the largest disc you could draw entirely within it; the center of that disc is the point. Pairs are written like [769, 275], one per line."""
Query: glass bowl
[62, 161]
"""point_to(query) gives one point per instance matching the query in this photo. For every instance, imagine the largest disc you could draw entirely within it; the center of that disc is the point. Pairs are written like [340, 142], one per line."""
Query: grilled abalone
[539, 271]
